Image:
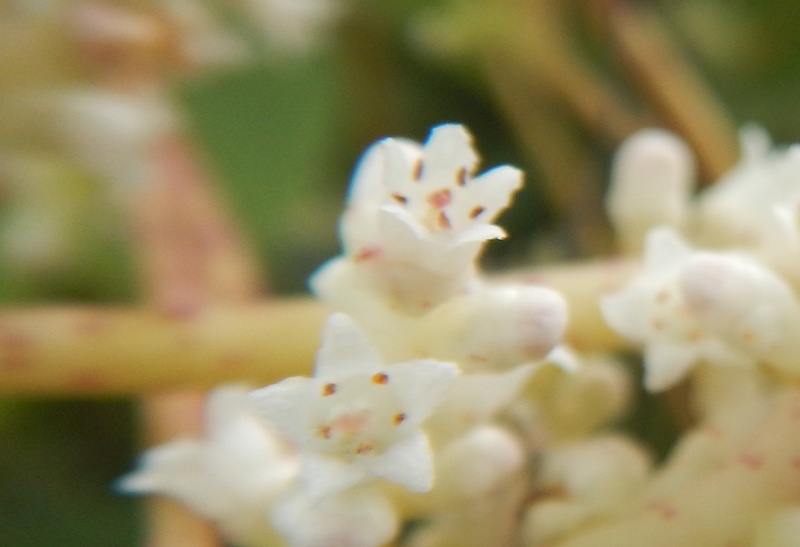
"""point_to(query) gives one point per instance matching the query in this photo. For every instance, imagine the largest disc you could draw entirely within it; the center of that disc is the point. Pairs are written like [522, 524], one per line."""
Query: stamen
[398, 418]
[380, 378]
[328, 389]
[400, 199]
[461, 176]
[476, 212]
[324, 431]
[443, 221]
[417, 171]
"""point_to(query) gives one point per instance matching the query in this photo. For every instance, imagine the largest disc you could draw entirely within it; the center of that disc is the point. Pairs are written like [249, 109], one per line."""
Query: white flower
[652, 310]
[651, 182]
[231, 476]
[357, 418]
[417, 218]
[738, 207]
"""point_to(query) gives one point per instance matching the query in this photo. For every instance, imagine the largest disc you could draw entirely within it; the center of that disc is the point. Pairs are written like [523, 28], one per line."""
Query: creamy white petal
[666, 364]
[345, 350]
[284, 405]
[324, 476]
[663, 249]
[421, 385]
[448, 148]
[626, 311]
[407, 463]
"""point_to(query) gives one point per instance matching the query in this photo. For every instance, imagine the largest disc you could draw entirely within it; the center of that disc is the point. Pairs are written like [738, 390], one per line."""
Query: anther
[380, 378]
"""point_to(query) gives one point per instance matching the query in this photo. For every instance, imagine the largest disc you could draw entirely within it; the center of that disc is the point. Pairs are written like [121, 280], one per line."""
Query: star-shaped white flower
[232, 475]
[652, 310]
[357, 418]
[417, 217]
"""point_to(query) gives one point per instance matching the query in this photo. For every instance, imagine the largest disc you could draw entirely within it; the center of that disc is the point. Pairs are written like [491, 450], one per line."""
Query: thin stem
[113, 351]
[674, 86]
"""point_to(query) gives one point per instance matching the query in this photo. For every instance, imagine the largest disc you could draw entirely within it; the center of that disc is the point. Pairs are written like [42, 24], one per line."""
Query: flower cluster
[424, 400]
[443, 398]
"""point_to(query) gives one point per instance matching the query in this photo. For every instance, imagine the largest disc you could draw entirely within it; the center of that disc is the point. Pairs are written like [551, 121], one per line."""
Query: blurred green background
[280, 137]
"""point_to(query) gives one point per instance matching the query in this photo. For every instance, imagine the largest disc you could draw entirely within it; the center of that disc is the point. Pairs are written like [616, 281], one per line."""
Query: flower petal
[407, 463]
[284, 405]
[344, 350]
[663, 249]
[324, 476]
[666, 364]
[421, 385]
[448, 148]
[626, 311]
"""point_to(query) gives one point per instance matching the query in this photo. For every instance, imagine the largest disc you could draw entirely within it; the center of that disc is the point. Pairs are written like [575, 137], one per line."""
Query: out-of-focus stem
[540, 43]
[163, 416]
[571, 179]
[51, 351]
[190, 255]
[106, 351]
[674, 85]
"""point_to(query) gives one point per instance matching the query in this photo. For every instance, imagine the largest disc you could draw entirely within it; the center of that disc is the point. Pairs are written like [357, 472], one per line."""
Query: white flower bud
[652, 310]
[652, 179]
[607, 473]
[745, 304]
[496, 328]
[478, 462]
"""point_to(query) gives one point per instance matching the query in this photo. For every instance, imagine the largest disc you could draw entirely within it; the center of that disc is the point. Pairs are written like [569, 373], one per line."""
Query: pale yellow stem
[51, 351]
[190, 255]
[112, 351]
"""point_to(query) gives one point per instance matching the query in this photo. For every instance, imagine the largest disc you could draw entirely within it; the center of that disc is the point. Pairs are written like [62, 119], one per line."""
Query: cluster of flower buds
[438, 397]
[444, 404]
[716, 308]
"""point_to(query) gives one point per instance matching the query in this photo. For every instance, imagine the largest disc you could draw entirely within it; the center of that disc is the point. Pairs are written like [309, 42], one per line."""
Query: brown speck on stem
[664, 510]
[751, 461]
